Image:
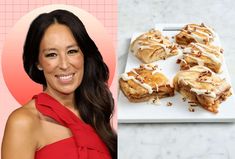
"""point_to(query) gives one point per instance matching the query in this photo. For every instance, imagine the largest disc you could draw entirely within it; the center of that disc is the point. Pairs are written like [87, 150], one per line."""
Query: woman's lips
[65, 78]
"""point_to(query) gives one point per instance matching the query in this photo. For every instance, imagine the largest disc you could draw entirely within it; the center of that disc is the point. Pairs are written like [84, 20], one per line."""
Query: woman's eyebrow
[49, 49]
[73, 45]
[54, 49]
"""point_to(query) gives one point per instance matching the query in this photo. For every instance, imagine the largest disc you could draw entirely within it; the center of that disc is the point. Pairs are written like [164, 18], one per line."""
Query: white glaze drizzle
[197, 37]
[138, 46]
[201, 69]
[186, 81]
[198, 29]
[125, 77]
[204, 92]
[187, 50]
[183, 60]
[207, 54]
[151, 41]
[199, 61]
[203, 33]
[133, 70]
[211, 30]
[156, 87]
[149, 67]
[155, 71]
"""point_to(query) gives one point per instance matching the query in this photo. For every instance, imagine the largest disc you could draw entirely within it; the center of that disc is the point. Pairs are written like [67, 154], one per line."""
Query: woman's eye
[51, 55]
[72, 51]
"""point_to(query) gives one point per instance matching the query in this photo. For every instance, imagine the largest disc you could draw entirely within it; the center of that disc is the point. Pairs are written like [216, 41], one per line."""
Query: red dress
[84, 144]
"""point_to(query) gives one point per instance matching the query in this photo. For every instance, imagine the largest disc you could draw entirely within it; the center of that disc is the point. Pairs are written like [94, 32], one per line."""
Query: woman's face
[61, 60]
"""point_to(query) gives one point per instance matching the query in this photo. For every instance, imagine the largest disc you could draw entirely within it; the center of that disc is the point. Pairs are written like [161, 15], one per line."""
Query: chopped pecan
[199, 54]
[191, 109]
[184, 99]
[169, 104]
[205, 73]
[178, 61]
[186, 28]
[221, 50]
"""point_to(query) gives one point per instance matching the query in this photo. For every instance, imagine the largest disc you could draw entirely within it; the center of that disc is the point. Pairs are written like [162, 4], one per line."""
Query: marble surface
[181, 140]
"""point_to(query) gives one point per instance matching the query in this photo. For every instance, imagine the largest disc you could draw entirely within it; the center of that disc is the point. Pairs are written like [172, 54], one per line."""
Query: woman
[70, 119]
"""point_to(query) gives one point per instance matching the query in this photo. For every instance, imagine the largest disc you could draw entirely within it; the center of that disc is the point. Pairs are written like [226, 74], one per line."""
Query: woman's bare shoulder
[24, 117]
[21, 132]
[23, 121]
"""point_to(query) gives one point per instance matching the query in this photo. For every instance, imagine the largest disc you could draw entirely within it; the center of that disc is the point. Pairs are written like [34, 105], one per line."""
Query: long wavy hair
[93, 98]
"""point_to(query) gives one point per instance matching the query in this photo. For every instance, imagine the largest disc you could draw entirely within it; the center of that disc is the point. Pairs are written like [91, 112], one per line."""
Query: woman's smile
[65, 78]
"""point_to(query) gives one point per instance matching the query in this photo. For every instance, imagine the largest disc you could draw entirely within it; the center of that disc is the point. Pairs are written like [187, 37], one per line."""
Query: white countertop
[182, 140]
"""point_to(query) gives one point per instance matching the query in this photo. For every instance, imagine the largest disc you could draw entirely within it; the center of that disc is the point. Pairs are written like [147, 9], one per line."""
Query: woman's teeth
[65, 77]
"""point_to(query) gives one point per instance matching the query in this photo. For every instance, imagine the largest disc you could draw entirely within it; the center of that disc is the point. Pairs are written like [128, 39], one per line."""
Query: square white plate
[150, 113]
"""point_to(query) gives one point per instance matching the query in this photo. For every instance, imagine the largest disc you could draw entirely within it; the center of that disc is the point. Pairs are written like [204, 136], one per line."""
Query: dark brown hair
[93, 97]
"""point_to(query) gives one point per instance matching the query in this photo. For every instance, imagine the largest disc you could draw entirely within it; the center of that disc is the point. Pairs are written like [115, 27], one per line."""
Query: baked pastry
[202, 86]
[145, 83]
[152, 46]
[200, 54]
[195, 33]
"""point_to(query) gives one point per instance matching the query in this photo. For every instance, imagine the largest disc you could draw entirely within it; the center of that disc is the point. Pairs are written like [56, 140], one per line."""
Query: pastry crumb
[191, 109]
[155, 101]
[169, 104]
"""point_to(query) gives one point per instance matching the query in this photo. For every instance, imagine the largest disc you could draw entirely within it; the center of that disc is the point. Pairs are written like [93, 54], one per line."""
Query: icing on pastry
[146, 82]
[150, 43]
[203, 91]
[200, 85]
[152, 46]
[199, 61]
[201, 69]
[139, 80]
[210, 55]
[204, 55]
[211, 30]
[126, 77]
[201, 29]
[197, 37]
[191, 80]
[195, 33]
[133, 70]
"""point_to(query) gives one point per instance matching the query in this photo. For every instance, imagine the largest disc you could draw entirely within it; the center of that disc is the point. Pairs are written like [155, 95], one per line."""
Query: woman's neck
[67, 100]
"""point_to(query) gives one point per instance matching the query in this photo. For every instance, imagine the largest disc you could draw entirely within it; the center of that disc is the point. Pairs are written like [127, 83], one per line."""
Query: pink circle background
[19, 84]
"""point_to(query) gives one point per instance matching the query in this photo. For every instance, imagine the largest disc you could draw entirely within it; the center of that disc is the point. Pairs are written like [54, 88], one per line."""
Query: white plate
[144, 113]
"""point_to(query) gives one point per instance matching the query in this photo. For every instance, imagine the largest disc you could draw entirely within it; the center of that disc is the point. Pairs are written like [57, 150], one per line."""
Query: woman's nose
[64, 62]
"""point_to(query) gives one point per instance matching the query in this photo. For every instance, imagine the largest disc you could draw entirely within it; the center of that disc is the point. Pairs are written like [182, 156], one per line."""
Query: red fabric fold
[89, 144]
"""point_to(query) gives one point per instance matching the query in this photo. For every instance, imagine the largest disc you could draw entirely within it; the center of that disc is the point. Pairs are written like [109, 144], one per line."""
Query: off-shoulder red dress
[84, 144]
